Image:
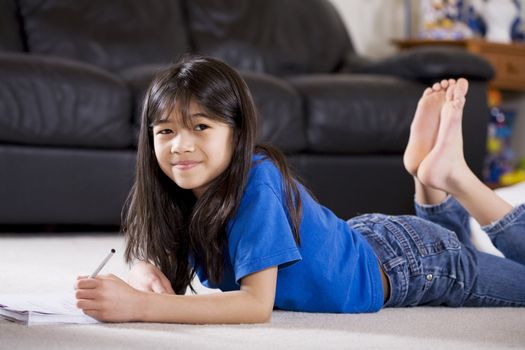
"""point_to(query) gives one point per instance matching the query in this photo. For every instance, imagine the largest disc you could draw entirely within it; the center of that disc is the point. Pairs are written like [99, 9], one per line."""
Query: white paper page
[61, 304]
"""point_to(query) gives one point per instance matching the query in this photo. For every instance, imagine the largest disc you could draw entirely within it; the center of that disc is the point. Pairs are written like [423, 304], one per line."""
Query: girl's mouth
[185, 165]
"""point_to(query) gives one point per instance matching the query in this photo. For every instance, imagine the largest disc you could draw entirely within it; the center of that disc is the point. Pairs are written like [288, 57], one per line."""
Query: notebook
[40, 309]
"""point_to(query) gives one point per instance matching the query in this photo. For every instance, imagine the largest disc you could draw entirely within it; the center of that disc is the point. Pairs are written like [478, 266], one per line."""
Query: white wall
[373, 24]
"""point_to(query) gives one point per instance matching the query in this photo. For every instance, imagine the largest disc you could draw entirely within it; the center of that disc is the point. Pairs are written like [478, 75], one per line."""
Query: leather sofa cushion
[281, 117]
[138, 79]
[10, 31]
[354, 185]
[111, 34]
[357, 114]
[430, 64]
[64, 185]
[280, 123]
[50, 101]
[301, 36]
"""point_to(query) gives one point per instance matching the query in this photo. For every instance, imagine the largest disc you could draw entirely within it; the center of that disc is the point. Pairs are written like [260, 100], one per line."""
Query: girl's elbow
[258, 314]
[259, 308]
[264, 314]
[257, 318]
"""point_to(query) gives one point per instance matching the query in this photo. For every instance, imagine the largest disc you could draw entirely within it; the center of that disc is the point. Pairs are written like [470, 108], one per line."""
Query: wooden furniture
[508, 60]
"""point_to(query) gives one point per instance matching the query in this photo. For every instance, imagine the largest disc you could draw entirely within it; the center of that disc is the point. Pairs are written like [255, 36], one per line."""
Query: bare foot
[445, 165]
[424, 127]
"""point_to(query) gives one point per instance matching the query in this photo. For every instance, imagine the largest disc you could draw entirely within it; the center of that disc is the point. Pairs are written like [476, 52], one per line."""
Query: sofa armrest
[430, 64]
[58, 102]
[354, 63]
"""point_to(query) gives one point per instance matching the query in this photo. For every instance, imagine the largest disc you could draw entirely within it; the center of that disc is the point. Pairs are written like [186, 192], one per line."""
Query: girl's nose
[182, 142]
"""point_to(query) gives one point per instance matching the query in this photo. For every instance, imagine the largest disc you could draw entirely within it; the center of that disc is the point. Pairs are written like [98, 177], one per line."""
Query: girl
[207, 202]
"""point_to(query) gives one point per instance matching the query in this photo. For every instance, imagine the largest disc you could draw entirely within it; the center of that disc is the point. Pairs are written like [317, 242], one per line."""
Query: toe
[461, 88]
[427, 91]
[450, 93]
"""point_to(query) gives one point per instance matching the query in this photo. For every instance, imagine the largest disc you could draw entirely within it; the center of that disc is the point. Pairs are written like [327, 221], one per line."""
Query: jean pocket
[427, 237]
[373, 228]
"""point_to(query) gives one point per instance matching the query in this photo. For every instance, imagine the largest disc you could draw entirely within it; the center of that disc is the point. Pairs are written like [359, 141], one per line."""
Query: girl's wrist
[155, 307]
[140, 307]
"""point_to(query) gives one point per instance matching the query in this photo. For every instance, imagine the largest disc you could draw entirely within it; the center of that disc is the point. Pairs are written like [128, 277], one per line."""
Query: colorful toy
[442, 20]
[500, 160]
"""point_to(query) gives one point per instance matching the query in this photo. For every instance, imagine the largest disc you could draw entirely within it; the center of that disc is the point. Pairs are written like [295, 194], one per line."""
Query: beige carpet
[42, 263]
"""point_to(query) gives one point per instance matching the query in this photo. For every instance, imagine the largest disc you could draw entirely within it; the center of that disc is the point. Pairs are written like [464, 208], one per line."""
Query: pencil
[97, 270]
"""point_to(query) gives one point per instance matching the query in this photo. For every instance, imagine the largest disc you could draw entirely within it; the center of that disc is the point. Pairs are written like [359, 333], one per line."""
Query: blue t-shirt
[334, 269]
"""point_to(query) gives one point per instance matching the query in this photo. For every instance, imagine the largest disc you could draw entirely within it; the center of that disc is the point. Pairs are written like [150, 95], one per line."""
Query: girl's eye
[201, 127]
[164, 132]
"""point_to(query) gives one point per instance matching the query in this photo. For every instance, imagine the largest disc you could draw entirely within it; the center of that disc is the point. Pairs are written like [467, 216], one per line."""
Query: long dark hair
[165, 224]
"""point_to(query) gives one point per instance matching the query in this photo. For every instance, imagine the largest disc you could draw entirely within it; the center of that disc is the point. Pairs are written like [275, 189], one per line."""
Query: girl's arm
[108, 298]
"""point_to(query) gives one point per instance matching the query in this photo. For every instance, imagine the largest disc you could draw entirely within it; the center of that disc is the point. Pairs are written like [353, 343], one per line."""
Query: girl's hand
[108, 298]
[148, 278]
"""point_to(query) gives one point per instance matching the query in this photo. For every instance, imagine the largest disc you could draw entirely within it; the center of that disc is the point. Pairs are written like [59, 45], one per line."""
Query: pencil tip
[113, 250]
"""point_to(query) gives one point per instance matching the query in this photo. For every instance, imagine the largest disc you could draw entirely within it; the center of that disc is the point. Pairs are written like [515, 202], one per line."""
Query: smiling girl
[206, 201]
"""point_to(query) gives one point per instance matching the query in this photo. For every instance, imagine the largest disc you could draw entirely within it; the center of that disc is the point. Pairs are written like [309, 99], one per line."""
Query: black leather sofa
[72, 75]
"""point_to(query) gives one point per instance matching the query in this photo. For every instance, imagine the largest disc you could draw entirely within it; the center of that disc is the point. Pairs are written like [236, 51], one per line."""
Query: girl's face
[193, 157]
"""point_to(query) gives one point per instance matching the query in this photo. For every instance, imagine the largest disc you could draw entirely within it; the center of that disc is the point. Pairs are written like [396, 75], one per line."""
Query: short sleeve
[260, 235]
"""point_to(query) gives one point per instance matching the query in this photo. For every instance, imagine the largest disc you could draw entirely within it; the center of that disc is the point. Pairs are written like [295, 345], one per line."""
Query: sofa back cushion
[10, 31]
[270, 36]
[110, 34]
[357, 113]
[57, 102]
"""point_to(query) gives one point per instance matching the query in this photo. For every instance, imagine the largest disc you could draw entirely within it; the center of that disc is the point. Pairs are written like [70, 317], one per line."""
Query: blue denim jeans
[429, 259]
